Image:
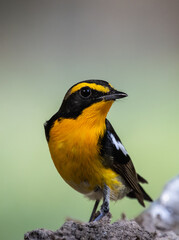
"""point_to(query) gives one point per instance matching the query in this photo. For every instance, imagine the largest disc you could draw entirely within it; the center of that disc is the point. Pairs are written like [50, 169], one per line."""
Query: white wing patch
[118, 144]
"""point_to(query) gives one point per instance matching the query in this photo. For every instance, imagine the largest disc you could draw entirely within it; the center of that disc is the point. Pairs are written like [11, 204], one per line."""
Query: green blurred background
[45, 47]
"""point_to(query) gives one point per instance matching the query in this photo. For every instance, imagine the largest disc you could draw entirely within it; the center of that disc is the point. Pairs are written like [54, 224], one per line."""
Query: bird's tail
[146, 197]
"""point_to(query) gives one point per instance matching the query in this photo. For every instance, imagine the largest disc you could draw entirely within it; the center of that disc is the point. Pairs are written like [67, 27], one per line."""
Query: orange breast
[74, 149]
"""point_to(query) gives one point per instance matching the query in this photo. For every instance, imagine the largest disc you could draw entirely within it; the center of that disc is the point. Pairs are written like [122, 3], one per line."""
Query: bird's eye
[85, 92]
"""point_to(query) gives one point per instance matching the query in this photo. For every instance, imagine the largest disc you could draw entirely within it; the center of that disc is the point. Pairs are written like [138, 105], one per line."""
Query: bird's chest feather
[75, 151]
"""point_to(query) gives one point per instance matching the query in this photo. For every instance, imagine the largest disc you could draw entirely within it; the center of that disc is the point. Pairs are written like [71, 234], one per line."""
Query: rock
[120, 230]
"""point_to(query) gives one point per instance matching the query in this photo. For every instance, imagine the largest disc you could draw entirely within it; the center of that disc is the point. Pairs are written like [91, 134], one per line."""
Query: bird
[87, 152]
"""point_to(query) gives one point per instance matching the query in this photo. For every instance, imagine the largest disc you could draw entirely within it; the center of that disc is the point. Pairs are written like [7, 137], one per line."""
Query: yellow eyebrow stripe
[91, 85]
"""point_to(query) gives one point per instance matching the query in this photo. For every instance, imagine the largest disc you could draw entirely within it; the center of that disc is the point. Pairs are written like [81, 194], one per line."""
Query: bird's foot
[104, 210]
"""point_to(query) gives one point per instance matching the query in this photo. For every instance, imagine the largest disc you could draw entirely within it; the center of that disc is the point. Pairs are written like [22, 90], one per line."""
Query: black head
[86, 93]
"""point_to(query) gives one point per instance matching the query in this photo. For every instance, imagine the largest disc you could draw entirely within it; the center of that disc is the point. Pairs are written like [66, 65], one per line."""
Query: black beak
[113, 95]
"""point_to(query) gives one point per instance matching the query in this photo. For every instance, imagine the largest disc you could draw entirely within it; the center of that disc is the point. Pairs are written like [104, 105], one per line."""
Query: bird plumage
[116, 157]
[85, 149]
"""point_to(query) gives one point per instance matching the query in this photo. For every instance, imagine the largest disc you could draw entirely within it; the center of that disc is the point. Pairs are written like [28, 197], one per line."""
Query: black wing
[117, 158]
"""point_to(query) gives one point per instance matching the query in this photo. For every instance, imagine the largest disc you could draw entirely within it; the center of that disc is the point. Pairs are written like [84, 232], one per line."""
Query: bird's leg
[105, 206]
[94, 210]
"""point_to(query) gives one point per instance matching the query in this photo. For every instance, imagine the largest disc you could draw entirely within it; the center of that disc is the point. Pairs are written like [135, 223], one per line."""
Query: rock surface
[142, 228]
